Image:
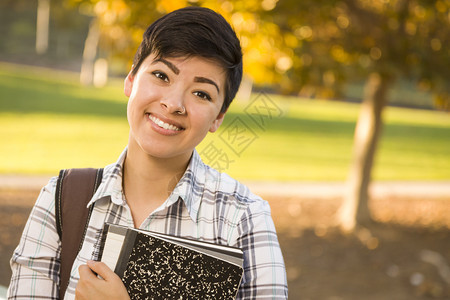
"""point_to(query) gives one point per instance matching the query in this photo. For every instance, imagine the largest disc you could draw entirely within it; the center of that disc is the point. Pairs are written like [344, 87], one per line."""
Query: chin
[166, 152]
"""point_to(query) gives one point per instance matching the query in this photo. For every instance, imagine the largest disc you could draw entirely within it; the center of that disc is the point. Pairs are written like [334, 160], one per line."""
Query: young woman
[185, 74]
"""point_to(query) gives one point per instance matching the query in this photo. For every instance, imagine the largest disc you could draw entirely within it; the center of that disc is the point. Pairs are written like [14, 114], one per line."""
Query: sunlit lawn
[48, 122]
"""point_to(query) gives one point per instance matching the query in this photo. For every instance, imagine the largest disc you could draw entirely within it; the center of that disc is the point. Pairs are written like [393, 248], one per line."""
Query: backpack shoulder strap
[74, 190]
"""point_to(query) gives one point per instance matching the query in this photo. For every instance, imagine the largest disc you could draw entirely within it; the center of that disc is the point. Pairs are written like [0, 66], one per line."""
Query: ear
[128, 84]
[217, 122]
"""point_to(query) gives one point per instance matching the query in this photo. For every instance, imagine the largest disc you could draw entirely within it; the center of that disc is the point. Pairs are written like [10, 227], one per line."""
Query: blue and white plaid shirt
[205, 205]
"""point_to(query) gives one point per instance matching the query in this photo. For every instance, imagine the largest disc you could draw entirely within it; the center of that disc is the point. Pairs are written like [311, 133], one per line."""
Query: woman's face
[173, 103]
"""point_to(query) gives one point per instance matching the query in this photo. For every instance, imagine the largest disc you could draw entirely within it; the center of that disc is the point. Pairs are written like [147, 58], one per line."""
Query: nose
[173, 103]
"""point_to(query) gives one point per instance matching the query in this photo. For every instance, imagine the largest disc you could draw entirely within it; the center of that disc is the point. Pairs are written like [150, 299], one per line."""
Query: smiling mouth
[163, 124]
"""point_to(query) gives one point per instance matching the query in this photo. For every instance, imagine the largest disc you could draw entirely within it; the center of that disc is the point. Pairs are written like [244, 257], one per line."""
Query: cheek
[129, 107]
[140, 99]
[132, 112]
[204, 121]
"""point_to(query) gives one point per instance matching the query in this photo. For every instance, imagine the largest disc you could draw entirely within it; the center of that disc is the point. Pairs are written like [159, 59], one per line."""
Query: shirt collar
[191, 185]
[111, 185]
[189, 188]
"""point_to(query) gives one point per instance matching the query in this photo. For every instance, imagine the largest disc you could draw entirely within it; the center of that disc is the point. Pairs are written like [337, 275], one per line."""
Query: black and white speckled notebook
[160, 266]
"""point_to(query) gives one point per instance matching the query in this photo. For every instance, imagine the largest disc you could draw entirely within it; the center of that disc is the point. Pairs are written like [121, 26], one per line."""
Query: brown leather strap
[75, 188]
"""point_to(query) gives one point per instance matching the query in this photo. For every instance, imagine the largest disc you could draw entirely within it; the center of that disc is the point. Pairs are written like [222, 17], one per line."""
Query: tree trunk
[42, 24]
[89, 54]
[355, 209]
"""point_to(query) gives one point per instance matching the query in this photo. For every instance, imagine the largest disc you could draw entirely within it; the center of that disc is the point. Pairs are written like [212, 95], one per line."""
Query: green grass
[48, 122]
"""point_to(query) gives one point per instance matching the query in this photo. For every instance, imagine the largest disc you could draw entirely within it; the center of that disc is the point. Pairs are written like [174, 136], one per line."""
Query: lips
[164, 124]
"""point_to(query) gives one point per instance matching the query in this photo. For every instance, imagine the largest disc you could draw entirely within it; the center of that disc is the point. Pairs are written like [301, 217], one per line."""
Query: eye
[203, 95]
[161, 75]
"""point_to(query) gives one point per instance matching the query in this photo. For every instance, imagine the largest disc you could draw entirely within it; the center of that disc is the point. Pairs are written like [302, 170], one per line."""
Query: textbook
[160, 266]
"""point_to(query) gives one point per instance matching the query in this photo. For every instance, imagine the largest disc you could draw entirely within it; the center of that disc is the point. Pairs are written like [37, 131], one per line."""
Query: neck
[148, 178]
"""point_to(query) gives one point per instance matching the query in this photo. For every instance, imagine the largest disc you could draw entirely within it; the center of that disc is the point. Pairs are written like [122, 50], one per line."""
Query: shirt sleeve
[264, 269]
[36, 260]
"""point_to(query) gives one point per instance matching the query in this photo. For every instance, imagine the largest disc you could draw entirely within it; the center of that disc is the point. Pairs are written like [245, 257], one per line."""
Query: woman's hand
[109, 286]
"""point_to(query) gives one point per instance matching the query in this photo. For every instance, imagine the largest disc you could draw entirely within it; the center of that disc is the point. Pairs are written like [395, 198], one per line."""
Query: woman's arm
[35, 263]
[264, 270]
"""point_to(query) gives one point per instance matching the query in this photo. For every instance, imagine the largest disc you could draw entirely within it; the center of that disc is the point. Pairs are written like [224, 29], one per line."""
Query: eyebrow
[206, 80]
[177, 71]
[168, 64]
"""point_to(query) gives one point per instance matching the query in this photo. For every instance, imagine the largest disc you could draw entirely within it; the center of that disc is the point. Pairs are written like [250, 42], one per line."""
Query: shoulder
[233, 190]
[49, 190]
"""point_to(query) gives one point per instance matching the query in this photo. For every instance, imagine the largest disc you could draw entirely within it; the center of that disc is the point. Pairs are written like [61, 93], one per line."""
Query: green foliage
[311, 47]
[342, 41]
[67, 32]
[48, 122]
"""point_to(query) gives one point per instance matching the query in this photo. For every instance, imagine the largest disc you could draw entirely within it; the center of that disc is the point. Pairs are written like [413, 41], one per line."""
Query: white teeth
[162, 124]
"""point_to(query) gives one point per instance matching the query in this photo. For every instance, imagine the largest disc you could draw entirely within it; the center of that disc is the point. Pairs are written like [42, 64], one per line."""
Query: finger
[101, 269]
[85, 272]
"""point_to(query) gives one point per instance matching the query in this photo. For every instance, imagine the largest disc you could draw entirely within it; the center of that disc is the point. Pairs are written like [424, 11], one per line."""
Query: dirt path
[397, 259]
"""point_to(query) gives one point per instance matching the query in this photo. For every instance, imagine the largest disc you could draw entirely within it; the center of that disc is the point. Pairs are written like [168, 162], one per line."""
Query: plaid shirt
[205, 205]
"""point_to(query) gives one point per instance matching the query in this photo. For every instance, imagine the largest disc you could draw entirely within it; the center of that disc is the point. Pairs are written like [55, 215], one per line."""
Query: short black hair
[195, 31]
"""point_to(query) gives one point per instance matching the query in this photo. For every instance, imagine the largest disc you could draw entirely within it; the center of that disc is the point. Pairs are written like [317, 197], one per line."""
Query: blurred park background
[337, 95]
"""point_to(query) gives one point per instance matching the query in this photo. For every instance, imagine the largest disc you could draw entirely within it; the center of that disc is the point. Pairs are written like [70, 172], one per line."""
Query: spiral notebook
[159, 266]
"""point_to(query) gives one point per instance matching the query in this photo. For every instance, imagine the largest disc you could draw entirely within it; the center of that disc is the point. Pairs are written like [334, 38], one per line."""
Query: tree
[380, 40]
[121, 23]
[314, 47]
[42, 25]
